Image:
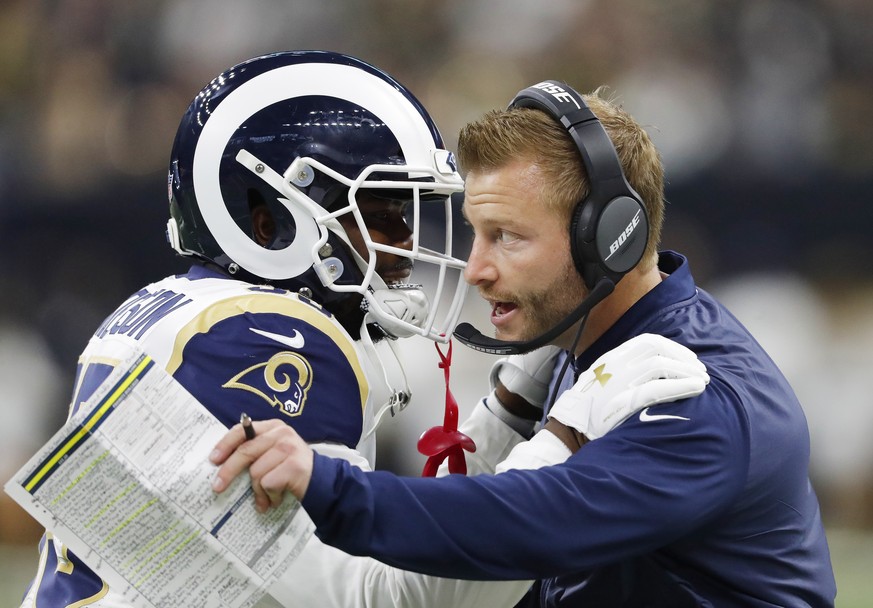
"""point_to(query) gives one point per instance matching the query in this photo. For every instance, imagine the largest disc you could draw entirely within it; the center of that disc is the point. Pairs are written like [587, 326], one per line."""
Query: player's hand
[644, 371]
[521, 382]
[278, 460]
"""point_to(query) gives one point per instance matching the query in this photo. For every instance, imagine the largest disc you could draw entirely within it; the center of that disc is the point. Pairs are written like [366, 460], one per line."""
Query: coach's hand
[277, 460]
[644, 371]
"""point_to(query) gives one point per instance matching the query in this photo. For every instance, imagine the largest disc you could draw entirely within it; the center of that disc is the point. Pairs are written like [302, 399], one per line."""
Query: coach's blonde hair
[503, 136]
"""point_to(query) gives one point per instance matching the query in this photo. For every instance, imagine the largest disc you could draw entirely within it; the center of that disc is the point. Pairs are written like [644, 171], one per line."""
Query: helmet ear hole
[263, 223]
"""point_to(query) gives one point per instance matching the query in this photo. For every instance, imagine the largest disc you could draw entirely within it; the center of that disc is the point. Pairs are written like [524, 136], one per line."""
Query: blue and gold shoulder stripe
[238, 347]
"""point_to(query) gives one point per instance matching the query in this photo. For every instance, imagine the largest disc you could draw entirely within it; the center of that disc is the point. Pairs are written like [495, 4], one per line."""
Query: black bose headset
[609, 228]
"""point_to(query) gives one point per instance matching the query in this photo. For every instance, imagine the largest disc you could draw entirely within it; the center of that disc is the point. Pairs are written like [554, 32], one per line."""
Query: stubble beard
[545, 308]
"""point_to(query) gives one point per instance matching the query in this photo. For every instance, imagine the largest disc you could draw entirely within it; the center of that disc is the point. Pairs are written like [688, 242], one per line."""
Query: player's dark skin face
[386, 225]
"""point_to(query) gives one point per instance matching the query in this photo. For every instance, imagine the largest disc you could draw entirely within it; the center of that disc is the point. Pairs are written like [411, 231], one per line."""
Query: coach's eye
[506, 237]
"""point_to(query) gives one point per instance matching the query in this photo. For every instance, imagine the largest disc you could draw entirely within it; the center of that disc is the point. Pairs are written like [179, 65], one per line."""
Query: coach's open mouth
[501, 310]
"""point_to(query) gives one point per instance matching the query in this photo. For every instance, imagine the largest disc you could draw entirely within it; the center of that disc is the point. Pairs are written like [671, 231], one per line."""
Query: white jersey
[238, 348]
[270, 353]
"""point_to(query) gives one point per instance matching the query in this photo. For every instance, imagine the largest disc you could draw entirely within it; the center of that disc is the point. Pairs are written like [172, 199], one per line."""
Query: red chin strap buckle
[446, 441]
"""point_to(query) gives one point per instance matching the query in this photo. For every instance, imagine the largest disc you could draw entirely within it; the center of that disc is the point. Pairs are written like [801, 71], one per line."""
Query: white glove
[646, 370]
[527, 375]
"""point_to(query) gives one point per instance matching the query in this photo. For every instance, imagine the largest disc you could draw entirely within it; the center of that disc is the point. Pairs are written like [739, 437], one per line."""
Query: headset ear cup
[610, 244]
[580, 244]
[622, 235]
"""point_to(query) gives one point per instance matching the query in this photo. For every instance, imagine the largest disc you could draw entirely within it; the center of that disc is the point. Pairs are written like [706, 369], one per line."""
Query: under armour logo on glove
[646, 370]
[441, 442]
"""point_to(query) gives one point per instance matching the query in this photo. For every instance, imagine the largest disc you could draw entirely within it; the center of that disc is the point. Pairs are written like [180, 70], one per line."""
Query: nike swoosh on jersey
[645, 416]
[295, 340]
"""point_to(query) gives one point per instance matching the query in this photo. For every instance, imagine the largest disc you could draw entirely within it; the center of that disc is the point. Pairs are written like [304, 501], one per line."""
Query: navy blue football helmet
[304, 132]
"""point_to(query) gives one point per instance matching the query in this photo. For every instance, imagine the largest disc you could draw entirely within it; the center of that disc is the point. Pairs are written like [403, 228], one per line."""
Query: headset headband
[609, 228]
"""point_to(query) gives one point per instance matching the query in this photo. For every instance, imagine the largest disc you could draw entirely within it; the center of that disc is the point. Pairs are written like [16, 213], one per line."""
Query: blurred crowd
[761, 108]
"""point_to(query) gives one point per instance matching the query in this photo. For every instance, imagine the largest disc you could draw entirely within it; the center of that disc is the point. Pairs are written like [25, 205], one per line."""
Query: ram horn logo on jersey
[283, 382]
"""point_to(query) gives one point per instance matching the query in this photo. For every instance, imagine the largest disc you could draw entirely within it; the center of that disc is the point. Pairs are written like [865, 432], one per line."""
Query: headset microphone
[472, 337]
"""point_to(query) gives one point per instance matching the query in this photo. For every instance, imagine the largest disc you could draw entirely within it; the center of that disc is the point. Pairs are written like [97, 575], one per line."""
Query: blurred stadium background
[761, 108]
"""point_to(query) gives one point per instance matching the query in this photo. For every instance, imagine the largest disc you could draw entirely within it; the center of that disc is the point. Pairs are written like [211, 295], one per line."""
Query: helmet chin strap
[398, 397]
